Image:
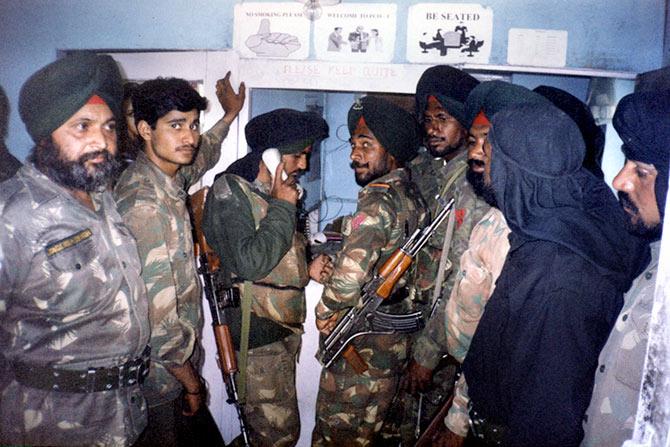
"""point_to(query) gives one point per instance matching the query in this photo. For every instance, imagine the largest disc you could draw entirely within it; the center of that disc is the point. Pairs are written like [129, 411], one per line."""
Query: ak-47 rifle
[219, 300]
[426, 438]
[366, 319]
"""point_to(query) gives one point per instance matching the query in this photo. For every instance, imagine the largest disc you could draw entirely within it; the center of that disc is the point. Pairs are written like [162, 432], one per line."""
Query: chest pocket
[71, 253]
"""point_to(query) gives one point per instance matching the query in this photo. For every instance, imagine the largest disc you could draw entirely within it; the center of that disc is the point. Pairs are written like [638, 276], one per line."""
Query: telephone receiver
[271, 157]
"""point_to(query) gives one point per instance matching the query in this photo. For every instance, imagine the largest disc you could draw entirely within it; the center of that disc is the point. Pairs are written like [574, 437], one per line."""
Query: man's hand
[321, 268]
[326, 326]
[193, 402]
[444, 437]
[419, 378]
[230, 101]
[284, 189]
[194, 387]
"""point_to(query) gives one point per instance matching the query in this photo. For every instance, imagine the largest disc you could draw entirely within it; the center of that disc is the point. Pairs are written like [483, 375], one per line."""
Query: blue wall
[617, 35]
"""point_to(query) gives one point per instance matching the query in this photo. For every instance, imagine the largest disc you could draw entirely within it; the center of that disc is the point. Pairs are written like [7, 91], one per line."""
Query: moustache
[626, 202]
[92, 155]
[355, 165]
[475, 163]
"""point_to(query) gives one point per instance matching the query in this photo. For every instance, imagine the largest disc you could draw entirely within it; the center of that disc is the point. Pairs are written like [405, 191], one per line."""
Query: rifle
[426, 438]
[366, 319]
[219, 300]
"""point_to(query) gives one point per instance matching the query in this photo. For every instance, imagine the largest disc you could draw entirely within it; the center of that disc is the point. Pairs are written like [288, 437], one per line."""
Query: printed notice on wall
[449, 33]
[271, 30]
[537, 47]
[356, 32]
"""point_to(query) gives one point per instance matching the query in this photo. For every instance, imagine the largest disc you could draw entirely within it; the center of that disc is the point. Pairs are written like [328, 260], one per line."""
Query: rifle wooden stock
[426, 438]
[354, 359]
[224, 345]
[197, 200]
[392, 271]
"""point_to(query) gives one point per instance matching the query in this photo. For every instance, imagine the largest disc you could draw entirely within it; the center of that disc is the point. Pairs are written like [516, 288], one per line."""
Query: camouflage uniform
[153, 205]
[351, 407]
[610, 418]
[478, 271]
[71, 298]
[255, 237]
[430, 345]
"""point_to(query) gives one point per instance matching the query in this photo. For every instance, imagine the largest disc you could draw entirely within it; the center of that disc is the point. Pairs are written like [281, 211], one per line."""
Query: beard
[633, 221]
[372, 174]
[74, 174]
[476, 180]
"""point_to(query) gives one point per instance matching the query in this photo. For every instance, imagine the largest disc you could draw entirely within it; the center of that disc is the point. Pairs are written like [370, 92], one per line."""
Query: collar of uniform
[45, 189]
[655, 248]
[456, 162]
[395, 176]
[173, 186]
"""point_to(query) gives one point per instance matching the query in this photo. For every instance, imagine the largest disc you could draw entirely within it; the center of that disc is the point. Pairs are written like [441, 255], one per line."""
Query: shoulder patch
[70, 241]
[221, 188]
[379, 185]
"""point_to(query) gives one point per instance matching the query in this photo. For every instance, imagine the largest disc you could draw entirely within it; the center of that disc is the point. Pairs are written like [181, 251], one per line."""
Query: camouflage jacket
[256, 239]
[71, 297]
[427, 173]
[610, 418]
[478, 271]
[389, 209]
[153, 205]
[468, 210]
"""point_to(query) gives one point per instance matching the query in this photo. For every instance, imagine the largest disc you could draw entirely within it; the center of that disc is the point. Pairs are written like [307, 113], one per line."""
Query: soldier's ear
[144, 129]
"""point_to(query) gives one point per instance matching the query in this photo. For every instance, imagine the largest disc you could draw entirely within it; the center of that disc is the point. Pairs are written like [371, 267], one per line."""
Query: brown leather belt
[84, 381]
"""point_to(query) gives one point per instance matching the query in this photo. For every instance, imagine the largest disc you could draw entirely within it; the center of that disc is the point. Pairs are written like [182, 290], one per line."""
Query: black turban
[449, 85]
[56, 92]
[642, 120]
[288, 130]
[395, 128]
[545, 193]
[494, 96]
[594, 137]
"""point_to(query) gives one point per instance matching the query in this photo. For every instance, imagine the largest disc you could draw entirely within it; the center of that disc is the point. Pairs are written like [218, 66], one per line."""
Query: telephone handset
[271, 157]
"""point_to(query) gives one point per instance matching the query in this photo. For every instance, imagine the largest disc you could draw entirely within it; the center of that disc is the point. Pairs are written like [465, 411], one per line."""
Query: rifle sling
[448, 235]
[244, 341]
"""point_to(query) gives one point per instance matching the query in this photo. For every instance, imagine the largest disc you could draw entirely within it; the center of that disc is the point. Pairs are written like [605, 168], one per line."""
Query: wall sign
[537, 47]
[271, 30]
[356, 32]
[449, 33]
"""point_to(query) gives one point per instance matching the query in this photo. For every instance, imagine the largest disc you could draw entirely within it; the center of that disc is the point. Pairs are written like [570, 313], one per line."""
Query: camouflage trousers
[351, 407]
[271, 406]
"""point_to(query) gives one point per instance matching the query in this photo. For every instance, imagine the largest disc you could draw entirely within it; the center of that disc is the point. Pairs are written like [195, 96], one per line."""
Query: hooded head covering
[449, 85]
[545, 193]
[290, 131]
[56, 92]
[642, 120]
[395, 128]
[493, 96]
[594, 137]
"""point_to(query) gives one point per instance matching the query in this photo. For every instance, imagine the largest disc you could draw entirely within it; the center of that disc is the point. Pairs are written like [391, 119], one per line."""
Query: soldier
[440, 170]
[151, 197]
[351, 407]
[250, 221]
[73, 313]
[641, 121]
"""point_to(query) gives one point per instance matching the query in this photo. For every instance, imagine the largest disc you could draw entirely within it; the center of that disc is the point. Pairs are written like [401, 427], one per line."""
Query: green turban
[56, 92]
[395, 129]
